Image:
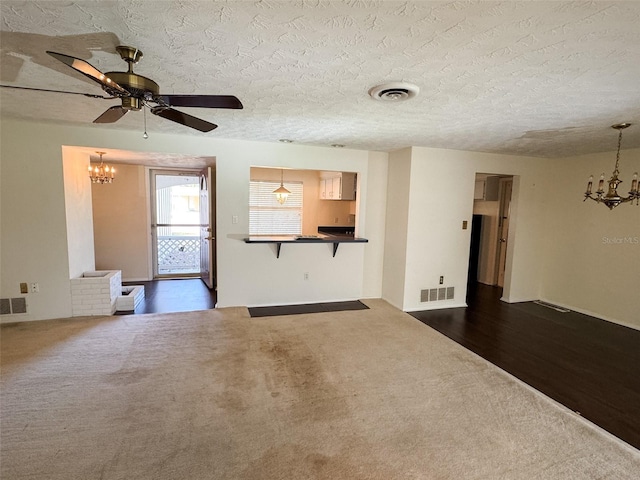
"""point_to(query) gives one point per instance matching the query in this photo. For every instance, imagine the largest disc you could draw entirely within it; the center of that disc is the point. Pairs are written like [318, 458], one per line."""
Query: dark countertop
[278, 240]
[320, 238]
[347, 230]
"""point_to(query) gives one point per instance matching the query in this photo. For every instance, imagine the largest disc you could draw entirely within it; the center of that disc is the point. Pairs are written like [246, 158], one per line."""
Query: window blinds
[267, 216]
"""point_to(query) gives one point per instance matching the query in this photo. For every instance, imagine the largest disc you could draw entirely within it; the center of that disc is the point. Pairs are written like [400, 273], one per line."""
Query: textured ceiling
[519, 77]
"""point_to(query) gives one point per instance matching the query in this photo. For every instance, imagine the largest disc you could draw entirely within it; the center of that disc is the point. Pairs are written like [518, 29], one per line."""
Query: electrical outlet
[306, 275]
[464, 224]
[35, 287]
[441, 279]
[335, 220]
[24, 288]
[234, 219]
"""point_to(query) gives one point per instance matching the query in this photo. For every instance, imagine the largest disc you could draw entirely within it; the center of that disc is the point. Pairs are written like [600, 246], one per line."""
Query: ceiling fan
[136, 92]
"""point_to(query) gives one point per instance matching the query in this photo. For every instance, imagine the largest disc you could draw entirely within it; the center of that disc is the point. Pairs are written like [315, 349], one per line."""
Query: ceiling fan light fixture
[136, 92]
[394, 92]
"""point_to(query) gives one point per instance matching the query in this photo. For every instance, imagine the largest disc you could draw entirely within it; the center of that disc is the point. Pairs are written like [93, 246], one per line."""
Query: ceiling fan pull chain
[144, 114]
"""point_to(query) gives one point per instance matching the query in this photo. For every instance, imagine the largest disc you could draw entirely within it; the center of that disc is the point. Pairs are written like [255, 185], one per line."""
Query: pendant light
[281, 193]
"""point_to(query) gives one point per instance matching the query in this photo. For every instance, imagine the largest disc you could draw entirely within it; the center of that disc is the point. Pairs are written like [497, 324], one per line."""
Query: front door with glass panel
[175, 223]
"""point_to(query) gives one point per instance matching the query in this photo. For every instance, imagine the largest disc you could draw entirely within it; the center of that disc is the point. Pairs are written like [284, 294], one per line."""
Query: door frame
[506, 293]
[207, 181]
[505, 194]
[191, 172]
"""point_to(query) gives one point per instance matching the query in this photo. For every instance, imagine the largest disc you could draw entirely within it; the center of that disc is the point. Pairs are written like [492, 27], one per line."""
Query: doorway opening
[490, 229]
[175, 227]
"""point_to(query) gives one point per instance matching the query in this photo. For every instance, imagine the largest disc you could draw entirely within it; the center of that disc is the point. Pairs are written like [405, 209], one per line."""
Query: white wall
[395, 240]
[592, 254]
[250, 274]
[120, 223]
[376, 222]
[441, 198]
[77, 197]
[33, 246]
[556, 247]
[34, 238]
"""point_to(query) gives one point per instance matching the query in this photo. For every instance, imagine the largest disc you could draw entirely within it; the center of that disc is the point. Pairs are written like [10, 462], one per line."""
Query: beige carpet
[369, 394]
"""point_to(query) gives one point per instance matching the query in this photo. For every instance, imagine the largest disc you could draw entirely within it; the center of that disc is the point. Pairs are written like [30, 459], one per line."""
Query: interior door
[506, 185]
[207, 228]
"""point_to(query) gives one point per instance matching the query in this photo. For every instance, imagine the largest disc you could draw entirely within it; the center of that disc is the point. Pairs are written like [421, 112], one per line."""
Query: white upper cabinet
[338, 186]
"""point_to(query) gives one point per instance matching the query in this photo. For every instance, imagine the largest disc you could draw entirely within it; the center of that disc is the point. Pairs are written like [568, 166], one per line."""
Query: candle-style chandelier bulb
[101, 173]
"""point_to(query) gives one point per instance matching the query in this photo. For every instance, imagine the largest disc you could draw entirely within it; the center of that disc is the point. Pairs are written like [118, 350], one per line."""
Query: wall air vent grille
[19, 305]
[13, 305]
[437, 294]
[5, 306]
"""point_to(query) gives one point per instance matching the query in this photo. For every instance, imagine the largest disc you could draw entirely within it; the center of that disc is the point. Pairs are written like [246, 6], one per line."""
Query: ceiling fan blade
[111, 115]
[203, 101]
[183, 118]
[90, 71]
[90, 95]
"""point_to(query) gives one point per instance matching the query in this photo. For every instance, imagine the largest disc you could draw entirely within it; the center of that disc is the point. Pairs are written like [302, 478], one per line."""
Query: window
[267, 216]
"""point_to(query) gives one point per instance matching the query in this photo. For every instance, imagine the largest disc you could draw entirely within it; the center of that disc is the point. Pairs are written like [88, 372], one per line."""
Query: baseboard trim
[592, 314]
[435, 307]
[518, 300]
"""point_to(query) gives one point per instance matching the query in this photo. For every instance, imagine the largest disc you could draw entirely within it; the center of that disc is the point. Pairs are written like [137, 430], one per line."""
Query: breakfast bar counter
[278, 240]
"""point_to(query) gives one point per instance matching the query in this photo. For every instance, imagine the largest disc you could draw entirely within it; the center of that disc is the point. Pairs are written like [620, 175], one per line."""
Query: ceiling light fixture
[394, 92]
[337, 145]
[612, 199]
[285, 140]
[101, 173]
[281, 193]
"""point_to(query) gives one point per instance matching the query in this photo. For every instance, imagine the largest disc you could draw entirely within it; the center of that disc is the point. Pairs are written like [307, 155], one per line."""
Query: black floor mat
[306, 308]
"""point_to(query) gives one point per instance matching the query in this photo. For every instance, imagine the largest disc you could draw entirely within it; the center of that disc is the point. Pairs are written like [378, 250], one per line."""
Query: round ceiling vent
[394, 92]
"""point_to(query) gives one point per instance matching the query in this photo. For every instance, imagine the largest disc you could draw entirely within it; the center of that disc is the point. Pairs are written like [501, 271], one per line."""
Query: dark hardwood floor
[182, 295]
[589, 365]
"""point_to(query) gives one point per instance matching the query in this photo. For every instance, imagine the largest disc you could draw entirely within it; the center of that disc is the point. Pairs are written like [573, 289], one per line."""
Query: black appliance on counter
[348, 231]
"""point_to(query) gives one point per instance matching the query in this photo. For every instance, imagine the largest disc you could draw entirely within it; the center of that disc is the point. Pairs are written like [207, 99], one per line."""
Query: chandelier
[101, 173]
[281, 193]
[612, 199]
